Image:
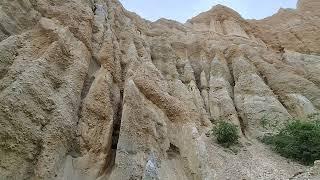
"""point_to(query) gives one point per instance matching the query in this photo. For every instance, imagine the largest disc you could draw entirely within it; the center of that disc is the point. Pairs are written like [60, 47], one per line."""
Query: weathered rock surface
[90, 91]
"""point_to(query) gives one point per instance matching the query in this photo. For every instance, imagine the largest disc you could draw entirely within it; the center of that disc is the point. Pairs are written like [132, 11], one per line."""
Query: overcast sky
[181, 10]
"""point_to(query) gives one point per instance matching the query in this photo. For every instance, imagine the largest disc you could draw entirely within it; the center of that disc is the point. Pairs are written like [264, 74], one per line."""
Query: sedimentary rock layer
[90, 91]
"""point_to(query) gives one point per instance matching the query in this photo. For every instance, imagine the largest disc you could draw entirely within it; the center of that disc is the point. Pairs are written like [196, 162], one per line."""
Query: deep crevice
[94, 66]
[243, 125]
[173, 151]
[85, 90]
[117, 124]
[110, 161]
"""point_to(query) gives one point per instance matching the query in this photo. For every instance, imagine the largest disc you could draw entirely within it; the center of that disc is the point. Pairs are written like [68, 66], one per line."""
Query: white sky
[182, 10]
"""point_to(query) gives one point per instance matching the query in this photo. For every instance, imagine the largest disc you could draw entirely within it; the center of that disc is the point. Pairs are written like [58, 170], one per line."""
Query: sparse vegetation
[298, 140]
[267, 122]
[226, 133]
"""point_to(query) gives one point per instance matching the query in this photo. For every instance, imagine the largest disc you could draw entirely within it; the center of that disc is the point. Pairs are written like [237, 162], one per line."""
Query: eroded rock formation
[90, 91]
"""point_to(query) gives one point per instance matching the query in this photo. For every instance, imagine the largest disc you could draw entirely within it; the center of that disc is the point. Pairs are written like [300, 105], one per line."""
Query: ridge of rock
[218, 12]
[91, 91]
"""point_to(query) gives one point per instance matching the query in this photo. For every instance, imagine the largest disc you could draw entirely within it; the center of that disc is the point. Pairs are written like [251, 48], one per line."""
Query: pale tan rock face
[90, 91]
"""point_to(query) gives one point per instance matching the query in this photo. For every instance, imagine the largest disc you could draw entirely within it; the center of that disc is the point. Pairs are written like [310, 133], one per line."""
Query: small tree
[226, 133]
[298, 140]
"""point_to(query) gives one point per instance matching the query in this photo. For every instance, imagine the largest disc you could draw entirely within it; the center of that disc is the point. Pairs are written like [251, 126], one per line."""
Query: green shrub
[226, 133]
[298, 140]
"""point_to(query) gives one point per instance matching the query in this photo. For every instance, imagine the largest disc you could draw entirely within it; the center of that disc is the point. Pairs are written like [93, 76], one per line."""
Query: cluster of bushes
[226, 133]
[298, 140]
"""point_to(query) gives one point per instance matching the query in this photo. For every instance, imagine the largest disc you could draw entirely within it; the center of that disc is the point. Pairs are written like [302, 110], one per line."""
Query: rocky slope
[90, 91]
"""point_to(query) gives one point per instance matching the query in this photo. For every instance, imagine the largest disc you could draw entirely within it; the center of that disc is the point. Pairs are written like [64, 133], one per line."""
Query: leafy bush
[226, 133]
[298, 140]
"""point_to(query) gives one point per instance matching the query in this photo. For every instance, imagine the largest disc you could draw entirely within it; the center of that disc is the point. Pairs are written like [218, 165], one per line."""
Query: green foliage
[298, 140]
[269, 121]
[226, 133]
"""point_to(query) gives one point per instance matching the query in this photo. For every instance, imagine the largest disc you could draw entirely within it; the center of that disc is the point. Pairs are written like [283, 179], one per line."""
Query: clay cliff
[90, 91]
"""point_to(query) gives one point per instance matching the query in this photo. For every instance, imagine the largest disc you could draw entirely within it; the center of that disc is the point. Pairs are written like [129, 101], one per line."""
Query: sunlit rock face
[90, 91]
